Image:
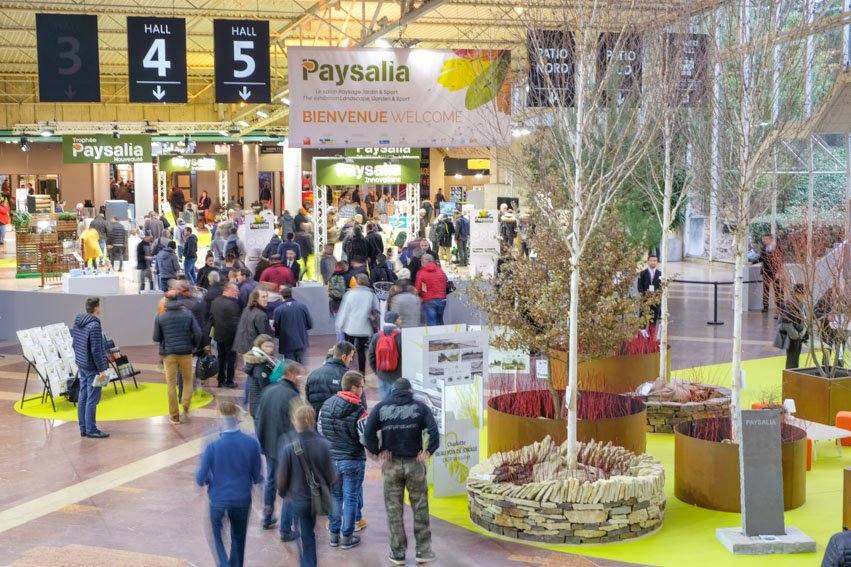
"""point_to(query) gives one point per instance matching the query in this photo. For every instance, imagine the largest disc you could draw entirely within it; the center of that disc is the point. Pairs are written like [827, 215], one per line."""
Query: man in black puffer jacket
[401, 420]
[90, 356]
[326, 380]
[339, 421]
[116, 241]
[179, 335]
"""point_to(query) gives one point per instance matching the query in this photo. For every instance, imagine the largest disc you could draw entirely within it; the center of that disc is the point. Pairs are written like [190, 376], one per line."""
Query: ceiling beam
[122, 9]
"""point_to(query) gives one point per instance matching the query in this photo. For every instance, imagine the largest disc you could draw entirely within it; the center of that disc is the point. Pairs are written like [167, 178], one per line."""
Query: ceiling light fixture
[285, 100]
[345, 42]
[262, 114]
[458, 176]
[25, 145]
[242, 123]
[223, 133]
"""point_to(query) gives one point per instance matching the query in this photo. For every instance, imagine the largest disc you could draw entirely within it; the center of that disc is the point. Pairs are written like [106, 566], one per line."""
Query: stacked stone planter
[570, 510]
[664, 415]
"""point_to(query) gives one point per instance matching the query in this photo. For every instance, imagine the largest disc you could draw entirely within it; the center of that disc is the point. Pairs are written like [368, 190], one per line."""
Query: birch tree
[756, 105]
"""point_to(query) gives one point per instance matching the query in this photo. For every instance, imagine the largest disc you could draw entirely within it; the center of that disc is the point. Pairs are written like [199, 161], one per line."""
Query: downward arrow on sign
[70, 92]
[244, 93]
[159, 92]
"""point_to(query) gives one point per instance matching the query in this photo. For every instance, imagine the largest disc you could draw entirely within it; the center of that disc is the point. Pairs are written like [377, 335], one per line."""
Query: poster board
[484, 242]
[51, 352]
[257, 230]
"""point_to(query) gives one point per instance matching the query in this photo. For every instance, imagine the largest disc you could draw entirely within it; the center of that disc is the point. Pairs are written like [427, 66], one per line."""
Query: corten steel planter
[817, 398]
[508, 432]
[615, 374]
[706, 473]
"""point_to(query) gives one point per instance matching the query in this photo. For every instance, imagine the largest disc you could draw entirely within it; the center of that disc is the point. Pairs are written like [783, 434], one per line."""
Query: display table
[820, 432]
[93, 284]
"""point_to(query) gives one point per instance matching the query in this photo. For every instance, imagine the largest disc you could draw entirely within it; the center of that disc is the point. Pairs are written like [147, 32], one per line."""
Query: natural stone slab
[795, 541]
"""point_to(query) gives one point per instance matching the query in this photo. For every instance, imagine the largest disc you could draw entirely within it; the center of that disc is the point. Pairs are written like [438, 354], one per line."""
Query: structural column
[100, 184]
[143, 183]
[250, 178]
[292, 179]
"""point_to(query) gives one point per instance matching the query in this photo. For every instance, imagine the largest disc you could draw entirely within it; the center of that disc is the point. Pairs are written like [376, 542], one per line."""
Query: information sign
[68, 63]
[156, 54]
[242, 60]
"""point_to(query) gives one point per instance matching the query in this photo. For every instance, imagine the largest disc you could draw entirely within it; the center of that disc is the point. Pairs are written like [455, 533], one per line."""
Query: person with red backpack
[385, 353]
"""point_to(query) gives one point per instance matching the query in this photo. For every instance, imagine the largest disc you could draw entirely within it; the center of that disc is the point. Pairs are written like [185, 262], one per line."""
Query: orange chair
[809, 454]
[843, 421]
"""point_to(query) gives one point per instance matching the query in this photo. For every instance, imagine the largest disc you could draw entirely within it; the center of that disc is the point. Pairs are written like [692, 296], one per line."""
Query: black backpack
[206, 367]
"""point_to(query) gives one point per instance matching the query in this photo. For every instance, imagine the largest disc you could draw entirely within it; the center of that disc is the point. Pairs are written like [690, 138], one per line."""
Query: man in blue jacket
[292, 322]
[90, 355]
[401, 419]
[229, 467]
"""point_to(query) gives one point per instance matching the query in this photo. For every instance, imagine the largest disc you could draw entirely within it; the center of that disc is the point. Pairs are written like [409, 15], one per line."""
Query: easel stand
[46, 391]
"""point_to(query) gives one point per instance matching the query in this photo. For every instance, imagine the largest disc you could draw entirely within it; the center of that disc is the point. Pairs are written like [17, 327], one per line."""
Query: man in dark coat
[179, 335]
[375, 243]
[649, 283]
[292, 322]
[116, 243]
[326, 380]
[190, 254]
[224, 314]
[90, 356]
[772, 264]
[339, 421]
[273, 427]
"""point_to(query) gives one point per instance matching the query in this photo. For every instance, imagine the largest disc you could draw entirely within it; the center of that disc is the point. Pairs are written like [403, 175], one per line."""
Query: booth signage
[156, 55]
[619, 63]
[350, 98]
[103, 148]
[478, 163]
[194, 162]
[362, 171]
[685, 61]
[551, 67]
[242, 60]
[376, 152]
[68, 63]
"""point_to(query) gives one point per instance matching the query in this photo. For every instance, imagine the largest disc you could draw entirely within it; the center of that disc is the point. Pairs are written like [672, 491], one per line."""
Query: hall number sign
[242, 60]
[156, 53]
[68, 62]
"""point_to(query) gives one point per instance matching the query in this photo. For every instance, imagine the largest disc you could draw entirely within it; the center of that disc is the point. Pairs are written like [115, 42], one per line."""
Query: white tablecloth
[99, 284]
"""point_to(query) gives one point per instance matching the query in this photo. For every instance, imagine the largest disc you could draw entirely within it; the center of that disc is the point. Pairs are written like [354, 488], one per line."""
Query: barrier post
[715, 320]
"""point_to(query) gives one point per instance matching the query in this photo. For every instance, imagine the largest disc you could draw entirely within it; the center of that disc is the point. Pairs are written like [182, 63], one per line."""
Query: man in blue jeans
[190, 254]
[341, 418]
[273, 426]
[431, 285]
[229, 467]
[90, 355]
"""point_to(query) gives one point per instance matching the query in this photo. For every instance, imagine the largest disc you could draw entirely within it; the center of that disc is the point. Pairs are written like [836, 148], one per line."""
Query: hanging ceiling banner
[68, 62]
[622, 54]
[194, 162]
[685, 61]
[551, 68]
[378, 152]
[242, 60]
[103, 148]
[367, 171]
[349, 98]
[156, 58]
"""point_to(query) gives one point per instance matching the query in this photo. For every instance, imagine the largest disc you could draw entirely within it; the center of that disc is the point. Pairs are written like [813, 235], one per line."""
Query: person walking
[445, 230]
[143, 263]
[167, 264]
[292, 321]
[202, 277]
[401, 420]
[650, 285]
[5, 220]
[260, 362]
[179, 336]
[337, 288]
[327, 264]
[229, 467]
[253, 322]
[217, 246]
[190, 254]
[327, 380]
[307, 454]
[341, 420]
[116, 242]
[431, 286]
[385, 353]
[224, 317]
[154, 226]
[277, 274]
[359, 305]
[381, 271]
[403, 299]
[90, 245]
[176, 199]
[273, 426]
[204, 204]
[772, 265]
[462, 238]
[289, 244]
[102, 227]
[90, 356]
[246, 286]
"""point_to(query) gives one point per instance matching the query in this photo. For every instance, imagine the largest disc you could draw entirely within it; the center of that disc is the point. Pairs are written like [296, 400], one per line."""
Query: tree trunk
[662, 330]
[740, 239]
[573, 363]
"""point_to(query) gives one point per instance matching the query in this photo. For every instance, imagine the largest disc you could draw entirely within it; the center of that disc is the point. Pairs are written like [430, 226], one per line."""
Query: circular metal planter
[615, 374]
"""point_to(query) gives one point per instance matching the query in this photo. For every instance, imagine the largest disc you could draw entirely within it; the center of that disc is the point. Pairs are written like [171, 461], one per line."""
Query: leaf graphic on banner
[486, 86]
[460, 73]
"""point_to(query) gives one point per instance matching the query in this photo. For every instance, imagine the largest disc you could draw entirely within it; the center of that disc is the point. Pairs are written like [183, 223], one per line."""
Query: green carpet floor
[687, 537]
[148, 401]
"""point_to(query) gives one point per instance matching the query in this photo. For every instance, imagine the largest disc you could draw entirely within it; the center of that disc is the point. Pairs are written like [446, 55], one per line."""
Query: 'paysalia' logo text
[383, 72]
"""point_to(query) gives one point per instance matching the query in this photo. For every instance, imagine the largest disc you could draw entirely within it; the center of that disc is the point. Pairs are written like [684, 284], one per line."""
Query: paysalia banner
[346, 98]
[104, 148]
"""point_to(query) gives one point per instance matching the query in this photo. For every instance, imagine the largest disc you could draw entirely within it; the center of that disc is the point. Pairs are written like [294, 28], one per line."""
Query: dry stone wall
[663, 416]
[569, 510]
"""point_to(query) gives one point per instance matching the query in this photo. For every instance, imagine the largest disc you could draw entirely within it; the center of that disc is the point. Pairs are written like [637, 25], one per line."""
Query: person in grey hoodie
[167, 264]
[403, 299]
[353, 318]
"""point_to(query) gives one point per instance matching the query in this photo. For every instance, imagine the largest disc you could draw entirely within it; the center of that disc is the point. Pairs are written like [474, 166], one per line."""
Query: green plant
[67, 216]
[21, 221]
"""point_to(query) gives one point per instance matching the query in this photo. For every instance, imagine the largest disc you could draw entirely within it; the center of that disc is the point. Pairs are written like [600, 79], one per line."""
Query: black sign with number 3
[68, 62]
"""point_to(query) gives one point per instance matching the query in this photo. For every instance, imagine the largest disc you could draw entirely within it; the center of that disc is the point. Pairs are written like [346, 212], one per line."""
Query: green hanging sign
[104, 148]
[367, 171]
[379, 152]
[194, 162]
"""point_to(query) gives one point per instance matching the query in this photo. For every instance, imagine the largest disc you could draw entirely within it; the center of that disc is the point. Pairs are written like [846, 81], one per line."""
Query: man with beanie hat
[401, 420]
[385, 353]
